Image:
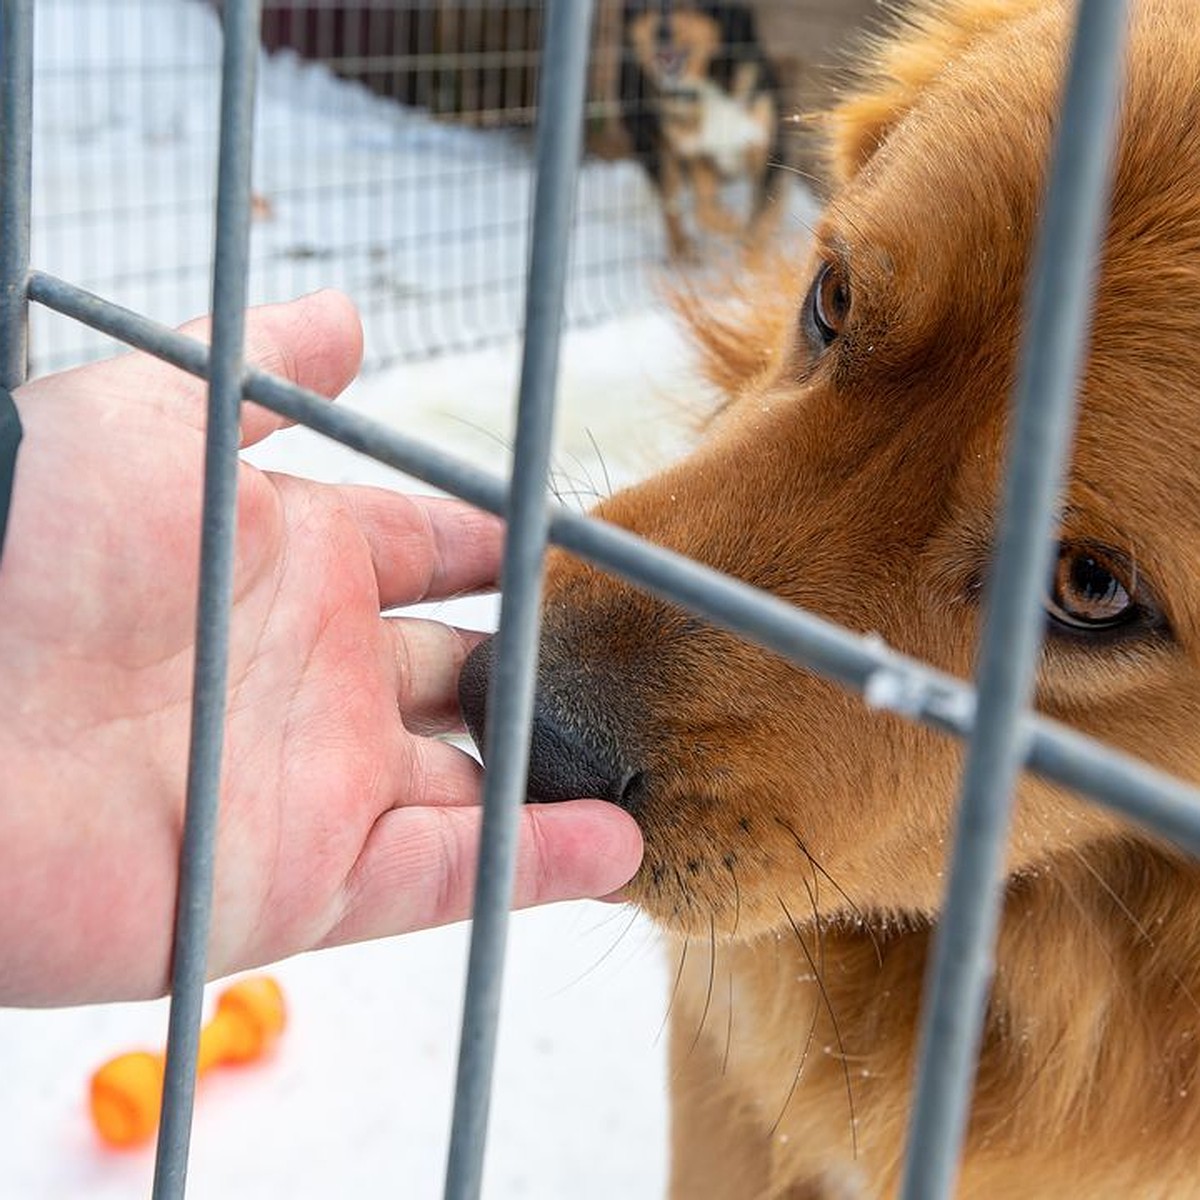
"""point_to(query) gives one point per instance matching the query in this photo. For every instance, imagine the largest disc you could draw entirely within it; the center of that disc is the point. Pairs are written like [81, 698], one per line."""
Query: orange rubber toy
[126, 1092]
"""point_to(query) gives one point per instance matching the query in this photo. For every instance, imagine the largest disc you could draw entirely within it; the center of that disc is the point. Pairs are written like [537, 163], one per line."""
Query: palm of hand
[339, 820]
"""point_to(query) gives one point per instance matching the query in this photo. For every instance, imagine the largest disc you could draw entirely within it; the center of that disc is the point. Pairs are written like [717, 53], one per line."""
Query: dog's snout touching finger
[568, 760]
[472, 690]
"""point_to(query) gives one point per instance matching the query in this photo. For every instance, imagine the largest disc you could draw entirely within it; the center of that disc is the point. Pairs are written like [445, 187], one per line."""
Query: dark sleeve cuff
[10, 439]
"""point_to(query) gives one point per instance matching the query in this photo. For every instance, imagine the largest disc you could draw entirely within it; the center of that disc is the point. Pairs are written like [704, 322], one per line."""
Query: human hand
[341, 818]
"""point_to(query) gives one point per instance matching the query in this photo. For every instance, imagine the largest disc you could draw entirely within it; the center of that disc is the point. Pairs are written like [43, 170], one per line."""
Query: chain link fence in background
[392, 159]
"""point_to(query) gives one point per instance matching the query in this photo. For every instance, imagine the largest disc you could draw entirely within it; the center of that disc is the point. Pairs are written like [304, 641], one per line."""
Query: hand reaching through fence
[342, 816]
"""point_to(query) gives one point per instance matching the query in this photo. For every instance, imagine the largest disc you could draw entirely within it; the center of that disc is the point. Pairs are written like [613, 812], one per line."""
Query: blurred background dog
[700, 103]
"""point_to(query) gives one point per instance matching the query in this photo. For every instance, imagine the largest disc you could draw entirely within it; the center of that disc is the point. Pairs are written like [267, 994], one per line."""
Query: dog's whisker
[608, 487]
[808, 1044]
[833, 1021]
[567, 485]
[799, 1073]
[861, 916]
[712, 970]
[590, 488]
[633, 916]
[674, 988]
[577, 494]
[818, 939]
[504, 443]
[583, 482]
[552, 487]
[608, 919]
[728, 1026]
[737, 895]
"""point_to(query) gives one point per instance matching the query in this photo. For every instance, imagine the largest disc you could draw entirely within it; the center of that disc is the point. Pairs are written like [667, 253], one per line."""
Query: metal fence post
[559, 137]
[16, 180]
[219, 523]
[1057, 318]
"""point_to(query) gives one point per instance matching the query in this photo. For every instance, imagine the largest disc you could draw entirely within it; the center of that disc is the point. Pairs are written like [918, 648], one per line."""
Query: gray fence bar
[231, 256]
[891, 680]
[1057, 319]
[510, 717]
[16, 180]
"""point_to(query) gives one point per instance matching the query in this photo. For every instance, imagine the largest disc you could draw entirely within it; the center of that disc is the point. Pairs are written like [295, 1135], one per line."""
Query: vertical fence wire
[218, 527]
[510, 716]
[1057, 319]
[16, 180]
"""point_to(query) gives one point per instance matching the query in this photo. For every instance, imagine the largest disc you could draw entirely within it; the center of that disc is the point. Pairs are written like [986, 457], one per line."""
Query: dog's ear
[898, 65]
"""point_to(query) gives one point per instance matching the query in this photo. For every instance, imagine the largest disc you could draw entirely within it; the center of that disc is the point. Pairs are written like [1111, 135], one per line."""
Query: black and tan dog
[700, 103]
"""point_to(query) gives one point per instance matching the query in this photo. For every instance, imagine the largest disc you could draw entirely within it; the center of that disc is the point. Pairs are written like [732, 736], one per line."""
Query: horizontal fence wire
[888, 679]
[193, 913]
[509, 724]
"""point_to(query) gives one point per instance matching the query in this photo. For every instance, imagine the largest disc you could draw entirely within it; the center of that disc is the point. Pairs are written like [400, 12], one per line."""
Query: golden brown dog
[795, 840]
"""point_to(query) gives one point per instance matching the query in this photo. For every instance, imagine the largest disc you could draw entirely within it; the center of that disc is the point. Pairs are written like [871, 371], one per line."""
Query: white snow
[357, 1101]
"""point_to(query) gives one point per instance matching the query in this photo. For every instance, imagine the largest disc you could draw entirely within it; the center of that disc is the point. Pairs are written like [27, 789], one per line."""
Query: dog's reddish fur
[796, 841]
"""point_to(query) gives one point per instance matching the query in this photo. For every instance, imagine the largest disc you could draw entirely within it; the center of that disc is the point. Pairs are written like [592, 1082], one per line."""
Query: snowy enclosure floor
[424, 222]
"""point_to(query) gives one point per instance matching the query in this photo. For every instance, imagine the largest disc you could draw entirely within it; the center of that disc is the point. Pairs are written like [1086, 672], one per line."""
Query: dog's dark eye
[1091, 591]
[828, 304]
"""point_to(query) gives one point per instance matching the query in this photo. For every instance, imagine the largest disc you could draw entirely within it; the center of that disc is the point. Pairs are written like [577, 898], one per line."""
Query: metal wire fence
[1004, 734]
[392, 159]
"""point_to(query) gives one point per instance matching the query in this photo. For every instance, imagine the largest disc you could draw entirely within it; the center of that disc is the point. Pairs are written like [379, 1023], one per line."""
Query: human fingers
[441, 776]
[428, 657]
[315, 341]
[424, 547]
[417, 867]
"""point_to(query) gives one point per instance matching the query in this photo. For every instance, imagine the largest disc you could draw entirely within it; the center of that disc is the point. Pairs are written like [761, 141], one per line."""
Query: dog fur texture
[700, 103]
[796, 841]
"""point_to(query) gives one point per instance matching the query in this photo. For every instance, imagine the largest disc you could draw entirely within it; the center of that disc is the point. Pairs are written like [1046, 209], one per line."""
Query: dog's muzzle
[570, 757]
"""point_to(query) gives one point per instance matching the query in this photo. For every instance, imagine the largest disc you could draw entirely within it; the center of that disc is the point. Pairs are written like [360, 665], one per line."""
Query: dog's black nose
[569, 758]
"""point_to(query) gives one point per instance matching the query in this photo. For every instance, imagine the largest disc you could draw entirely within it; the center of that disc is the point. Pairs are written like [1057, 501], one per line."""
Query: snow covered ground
[425, 223]
[358, 1099]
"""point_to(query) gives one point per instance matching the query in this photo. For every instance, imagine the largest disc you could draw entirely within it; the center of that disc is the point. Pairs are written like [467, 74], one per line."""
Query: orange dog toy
[126, 1092]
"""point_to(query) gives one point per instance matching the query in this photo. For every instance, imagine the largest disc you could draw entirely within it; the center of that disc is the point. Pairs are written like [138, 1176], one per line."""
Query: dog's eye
[1090, 591]
[828, 304]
